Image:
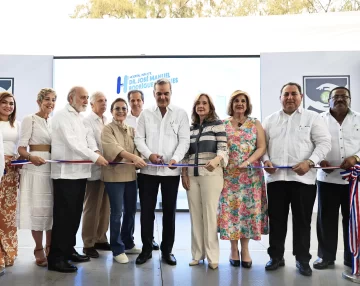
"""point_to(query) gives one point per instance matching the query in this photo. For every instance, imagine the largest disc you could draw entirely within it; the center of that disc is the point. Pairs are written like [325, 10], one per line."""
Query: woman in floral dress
[10, 129]
[243, 205]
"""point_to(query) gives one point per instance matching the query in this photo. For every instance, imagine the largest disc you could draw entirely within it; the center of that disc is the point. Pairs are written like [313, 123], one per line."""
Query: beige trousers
[96, 214]
[203, 198]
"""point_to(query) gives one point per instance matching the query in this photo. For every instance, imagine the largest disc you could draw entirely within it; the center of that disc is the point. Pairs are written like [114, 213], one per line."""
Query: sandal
[40, 261]
[47, 250]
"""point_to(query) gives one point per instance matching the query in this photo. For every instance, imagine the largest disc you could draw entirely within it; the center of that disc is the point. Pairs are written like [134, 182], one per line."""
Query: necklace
[240, 122]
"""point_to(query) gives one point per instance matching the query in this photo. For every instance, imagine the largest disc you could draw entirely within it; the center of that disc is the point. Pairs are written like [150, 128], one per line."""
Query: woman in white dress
[35, 208]
[9, 128]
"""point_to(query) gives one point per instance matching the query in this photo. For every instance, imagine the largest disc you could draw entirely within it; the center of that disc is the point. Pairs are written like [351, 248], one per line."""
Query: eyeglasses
[120, 108]
[345, 97]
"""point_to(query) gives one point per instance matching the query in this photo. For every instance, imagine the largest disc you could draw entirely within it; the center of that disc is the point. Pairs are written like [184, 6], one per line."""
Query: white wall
[276, 69]
[30, 73]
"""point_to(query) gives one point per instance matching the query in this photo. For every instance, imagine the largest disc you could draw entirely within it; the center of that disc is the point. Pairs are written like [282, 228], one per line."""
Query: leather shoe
[62, 266]
[304, 268]
[169, 258]
[91, 252]
[235, 263]
[155, 246]
[274, 263]
[246, 264]
[76, 257]
[348, 263]
[322, 263]
[143, 257]
[103, 246]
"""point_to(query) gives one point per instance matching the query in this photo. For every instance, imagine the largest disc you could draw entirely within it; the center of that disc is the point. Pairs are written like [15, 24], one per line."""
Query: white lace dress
[35, 204]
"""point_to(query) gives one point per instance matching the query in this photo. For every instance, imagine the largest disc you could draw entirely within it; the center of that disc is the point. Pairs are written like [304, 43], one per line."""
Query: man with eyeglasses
[136, 102]
[297, 138]
[70, 140]
[162, 136]
[333, 192]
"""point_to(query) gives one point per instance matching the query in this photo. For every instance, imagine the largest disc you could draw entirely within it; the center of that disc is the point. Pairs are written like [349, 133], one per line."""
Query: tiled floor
[105, 271]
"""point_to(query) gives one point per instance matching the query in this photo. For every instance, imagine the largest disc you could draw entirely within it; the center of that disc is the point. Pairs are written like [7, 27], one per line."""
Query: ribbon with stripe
[26, 162]
[352, 176]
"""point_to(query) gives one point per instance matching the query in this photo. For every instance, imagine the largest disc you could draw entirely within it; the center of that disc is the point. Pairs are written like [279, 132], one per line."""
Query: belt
[43, 148]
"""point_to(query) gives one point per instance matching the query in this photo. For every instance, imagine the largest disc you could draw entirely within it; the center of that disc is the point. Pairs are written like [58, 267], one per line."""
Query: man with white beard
[70, 140]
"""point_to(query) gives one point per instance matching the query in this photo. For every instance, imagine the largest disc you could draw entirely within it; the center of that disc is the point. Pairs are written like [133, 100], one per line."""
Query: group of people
[139, 150]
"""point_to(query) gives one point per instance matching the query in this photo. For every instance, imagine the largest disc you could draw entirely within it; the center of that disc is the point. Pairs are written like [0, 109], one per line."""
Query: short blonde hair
[233, 96]
[44, 92]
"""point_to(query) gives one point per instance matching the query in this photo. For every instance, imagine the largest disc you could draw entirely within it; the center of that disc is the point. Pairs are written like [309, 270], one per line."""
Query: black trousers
[148, 190]
[68, 207]
[331, 197]
[301, 197]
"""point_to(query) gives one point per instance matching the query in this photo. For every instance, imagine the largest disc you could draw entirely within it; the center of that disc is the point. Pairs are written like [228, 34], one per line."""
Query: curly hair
[44, 92]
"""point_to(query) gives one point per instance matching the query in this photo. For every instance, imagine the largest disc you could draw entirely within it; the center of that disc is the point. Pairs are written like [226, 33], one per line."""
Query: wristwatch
[310, 162]
[357, 158]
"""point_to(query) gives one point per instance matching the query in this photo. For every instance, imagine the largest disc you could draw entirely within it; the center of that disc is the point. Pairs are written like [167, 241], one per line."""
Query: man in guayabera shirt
[298, 138]
[333, 192]
[136, 102]
[70, 140]
[162, 136]
[96, 213]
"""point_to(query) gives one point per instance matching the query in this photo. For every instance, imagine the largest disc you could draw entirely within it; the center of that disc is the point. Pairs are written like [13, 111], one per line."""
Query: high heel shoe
[246, 264]
[47, 250]
[213, 265]
[195, 262]
[40, 261]
[235, 263]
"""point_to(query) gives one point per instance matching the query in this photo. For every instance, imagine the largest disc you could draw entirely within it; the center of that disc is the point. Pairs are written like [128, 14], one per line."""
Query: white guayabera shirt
[291, 139]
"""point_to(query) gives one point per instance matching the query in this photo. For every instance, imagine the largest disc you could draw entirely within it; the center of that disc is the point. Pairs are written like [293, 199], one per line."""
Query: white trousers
[203, 198]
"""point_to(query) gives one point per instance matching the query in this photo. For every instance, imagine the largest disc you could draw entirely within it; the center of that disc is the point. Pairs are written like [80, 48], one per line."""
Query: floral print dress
[243, 211]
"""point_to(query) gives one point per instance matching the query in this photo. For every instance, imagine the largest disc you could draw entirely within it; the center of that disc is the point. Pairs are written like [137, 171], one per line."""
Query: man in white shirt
[96, 213]
[333, 192]
[162, 136]
[136, 102]
[298, 138]
[70, 140]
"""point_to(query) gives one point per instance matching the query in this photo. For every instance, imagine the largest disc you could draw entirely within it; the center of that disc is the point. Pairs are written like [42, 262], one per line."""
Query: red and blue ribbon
[352, 176]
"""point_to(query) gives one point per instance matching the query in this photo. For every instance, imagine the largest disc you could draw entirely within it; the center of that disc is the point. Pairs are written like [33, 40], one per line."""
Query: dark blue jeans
[121, 195]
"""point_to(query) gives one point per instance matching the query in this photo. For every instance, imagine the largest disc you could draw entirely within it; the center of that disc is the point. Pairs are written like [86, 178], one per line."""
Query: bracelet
[357, 158]
[248, 162]
[28, 157]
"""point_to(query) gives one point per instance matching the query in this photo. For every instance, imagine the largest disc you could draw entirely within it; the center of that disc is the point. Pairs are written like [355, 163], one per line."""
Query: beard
[79, 108]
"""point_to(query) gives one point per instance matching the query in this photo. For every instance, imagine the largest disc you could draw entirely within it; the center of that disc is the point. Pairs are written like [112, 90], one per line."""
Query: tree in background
[207, 8]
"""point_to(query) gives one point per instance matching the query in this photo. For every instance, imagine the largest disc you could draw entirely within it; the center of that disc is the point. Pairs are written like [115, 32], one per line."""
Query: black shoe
[304, 268]
[322, 264]
[143, 257]
[169, 258]
[76, 257]
[62, 266]
[235, 263]
[102, 246]
[348, 263]
[246, 264]
[91, 252]
[274, 263]
[155, 246]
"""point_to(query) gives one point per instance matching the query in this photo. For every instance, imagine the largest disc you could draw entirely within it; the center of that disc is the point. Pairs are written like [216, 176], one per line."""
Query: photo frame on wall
[317, 90]
[7, 84]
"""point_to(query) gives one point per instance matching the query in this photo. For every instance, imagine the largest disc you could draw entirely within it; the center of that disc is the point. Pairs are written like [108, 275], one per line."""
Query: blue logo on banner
[120, 84]
[141, 81]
